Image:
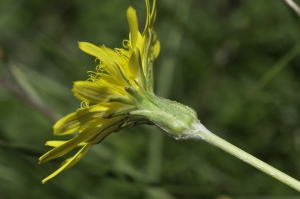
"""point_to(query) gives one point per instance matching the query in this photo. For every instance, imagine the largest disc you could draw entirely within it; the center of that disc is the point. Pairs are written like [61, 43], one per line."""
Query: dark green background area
[236, 62]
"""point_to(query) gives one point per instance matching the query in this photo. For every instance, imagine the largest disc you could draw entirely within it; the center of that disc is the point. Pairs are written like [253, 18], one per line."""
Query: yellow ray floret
[56, 143]
[107, 96]
[133, 25]
[70, 162]
[107, 58]
[73, 122]
[96, 92]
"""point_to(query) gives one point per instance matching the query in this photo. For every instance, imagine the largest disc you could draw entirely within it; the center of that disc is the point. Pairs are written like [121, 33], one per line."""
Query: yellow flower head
[118, 94]
[108, 96]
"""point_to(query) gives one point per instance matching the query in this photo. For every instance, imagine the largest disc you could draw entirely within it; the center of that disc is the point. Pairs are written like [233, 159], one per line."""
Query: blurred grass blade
[29, 93]
[290, 55]
[25, 85]
[38, 81]
[19, 148]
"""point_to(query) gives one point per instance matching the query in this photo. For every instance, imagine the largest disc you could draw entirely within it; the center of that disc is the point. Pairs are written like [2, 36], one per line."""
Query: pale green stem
[213, 139]
[294, 6]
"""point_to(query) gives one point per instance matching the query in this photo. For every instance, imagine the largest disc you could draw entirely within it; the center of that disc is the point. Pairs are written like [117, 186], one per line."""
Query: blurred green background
[236, 62]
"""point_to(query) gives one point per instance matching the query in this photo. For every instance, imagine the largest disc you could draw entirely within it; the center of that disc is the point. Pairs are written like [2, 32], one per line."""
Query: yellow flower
[108, 95]
[118, 94]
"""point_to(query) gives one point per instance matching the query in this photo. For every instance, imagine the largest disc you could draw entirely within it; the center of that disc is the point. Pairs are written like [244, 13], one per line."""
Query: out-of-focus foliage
[214, 56]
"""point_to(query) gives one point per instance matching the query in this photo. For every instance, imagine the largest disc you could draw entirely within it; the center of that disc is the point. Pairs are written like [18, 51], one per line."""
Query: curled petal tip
[133, 25]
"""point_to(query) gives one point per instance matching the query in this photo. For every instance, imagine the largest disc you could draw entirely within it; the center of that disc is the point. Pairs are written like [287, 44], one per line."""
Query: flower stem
[246, 157]
[294, 6]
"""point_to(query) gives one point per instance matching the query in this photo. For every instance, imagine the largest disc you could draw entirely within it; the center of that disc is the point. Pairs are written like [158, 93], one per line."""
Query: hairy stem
[246, 157]
[294, 6]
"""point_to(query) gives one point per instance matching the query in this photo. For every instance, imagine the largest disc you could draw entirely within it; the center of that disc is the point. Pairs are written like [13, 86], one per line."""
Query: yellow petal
[114, 56]
[108, 129]
[140, 43]
[96, 52]
[60, 150]
[73, 162]
[72, 122]
[107, 58]
[97, 139]
[133, 25]
[98, 111]
[136, 69]
[134, 64]
[95, 92]
[67, 125]
[56, 143]
[87, 134]
[92, 113]
[70, 162]
[156, 49]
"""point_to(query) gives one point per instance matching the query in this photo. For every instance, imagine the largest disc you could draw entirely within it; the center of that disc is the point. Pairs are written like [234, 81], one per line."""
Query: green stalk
[294, 6]
[213, 139]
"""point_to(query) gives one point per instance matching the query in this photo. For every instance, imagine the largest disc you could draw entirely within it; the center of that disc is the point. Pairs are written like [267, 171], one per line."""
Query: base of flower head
[174, 118]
